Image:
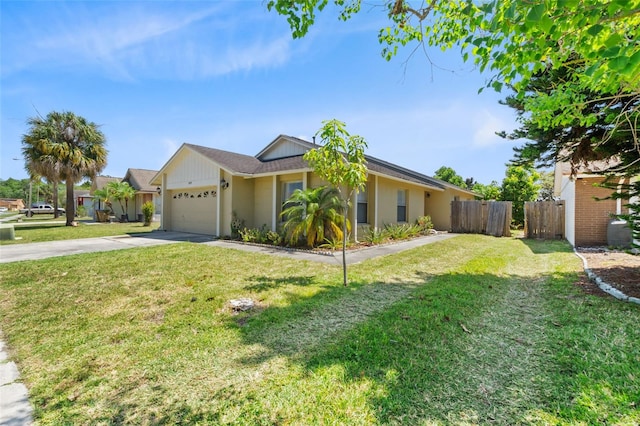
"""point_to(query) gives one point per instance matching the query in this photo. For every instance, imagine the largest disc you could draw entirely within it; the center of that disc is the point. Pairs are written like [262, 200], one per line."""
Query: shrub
[147, 211]
[81, 211]
[375, 236]
[237, 224]
[274, 238]
[425, 224]
[260, 235]
[401, 231]
[331, 244]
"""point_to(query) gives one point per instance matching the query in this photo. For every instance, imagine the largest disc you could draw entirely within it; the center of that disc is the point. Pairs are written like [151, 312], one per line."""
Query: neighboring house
[99, 182]
[202, 188]
[587, 219]
[12, 204]
[83, 197]
[140, 179]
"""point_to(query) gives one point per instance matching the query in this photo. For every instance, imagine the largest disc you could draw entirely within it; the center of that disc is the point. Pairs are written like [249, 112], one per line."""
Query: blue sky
[228, 75]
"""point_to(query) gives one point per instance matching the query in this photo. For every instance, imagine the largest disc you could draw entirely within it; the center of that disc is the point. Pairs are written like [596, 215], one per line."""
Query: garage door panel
[193, 210]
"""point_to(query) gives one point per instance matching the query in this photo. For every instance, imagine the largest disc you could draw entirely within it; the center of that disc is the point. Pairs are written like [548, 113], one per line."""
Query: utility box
[619, 234]
[7, 231]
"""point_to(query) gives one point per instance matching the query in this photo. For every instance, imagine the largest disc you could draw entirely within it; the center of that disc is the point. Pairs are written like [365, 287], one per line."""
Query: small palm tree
[313, 214]
[121, 191]
[103, 196]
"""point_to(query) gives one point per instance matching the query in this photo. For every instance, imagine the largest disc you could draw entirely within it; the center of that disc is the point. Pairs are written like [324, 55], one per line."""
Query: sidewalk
[352, 256]
[15, 409]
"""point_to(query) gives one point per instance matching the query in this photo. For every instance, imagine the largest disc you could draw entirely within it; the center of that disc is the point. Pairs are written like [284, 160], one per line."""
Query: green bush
[401, 231]
[261, 235]
[375, 236]
[237, 225]
[81, 211]
[147, 211]
[425, 224]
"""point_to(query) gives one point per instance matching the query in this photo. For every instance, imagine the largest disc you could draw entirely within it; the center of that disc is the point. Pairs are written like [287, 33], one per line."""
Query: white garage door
[193, 210]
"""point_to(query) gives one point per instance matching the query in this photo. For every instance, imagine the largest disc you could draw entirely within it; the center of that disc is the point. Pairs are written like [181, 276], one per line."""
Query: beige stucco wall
[438, 206]
[388, 201]
[263, 201]
[243, 200]
[415, 203]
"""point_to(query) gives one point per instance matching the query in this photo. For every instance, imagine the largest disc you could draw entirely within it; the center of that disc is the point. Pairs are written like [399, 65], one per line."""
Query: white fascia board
[434, 188]
[281, 172]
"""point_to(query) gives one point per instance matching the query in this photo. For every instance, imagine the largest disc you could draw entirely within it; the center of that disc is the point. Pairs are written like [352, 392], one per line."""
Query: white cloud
[485, 125]
[131, 41]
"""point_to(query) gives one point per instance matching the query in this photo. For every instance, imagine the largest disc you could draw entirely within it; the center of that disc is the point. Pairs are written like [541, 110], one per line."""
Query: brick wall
[591, 216]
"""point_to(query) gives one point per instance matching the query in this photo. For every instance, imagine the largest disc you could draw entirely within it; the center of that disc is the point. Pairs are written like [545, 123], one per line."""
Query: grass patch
[464, 331]
[42, 232]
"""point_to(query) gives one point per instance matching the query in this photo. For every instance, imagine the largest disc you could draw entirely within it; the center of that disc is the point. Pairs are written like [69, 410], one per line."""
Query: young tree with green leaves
[519, 185]
[314, 214]
[546, 184]
[66, 147]
[514, 39]
[340, 161]
[447, 174]
[488, 192]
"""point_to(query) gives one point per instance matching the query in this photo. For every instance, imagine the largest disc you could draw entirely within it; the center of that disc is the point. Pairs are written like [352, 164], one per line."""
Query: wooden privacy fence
[481, 217]
[544, 220]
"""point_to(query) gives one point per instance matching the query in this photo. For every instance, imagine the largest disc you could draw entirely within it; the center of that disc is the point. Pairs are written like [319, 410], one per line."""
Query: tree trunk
[69, 205]
[56, 213]
[344, 243]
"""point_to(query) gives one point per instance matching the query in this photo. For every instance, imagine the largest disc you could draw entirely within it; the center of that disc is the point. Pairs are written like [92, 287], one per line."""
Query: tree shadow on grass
[459, 347]
[547, 246]
[264, 283]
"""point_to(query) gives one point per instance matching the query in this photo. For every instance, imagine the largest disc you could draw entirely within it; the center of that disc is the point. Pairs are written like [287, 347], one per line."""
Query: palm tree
[67, 144]
[103, 197]
[122, 191]
[313, 214]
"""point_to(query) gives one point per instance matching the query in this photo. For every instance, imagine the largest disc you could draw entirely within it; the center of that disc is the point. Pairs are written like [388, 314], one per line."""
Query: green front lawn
[471, 330]
[44, 231]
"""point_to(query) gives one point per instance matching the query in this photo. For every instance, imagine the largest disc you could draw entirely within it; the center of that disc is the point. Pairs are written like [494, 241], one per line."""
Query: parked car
[41, 209]
[3, 209]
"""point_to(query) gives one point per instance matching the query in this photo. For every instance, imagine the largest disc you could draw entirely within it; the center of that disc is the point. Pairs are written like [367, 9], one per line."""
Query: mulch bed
[616, 268]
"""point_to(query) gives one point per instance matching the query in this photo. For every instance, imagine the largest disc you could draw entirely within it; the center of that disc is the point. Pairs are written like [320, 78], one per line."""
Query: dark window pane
[362, 213]
[402, 213]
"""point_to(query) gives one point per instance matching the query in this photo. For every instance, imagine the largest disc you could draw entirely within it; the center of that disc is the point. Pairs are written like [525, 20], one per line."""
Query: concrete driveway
[34, 251]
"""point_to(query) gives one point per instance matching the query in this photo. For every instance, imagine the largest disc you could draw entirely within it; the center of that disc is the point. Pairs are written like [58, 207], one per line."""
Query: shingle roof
[245, 164]
[139, 179]
[238, 163]
[101, 181]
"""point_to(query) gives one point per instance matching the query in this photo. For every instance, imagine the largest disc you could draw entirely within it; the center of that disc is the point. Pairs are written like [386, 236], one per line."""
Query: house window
[402, 206]
[362, 206]
[289, 188]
